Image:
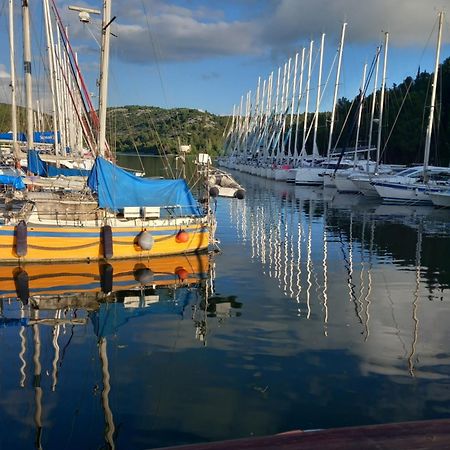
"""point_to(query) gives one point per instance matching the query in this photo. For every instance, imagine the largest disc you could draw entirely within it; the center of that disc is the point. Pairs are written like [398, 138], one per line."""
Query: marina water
[320, 310]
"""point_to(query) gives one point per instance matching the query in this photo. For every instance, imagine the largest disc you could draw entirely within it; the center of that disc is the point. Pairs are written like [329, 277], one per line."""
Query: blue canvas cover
[117, 188]
[39, 137]
[10, 180]
[42, 168]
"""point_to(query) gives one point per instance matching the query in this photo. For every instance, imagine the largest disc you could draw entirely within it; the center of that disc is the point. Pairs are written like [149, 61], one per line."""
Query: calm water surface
[321, 310]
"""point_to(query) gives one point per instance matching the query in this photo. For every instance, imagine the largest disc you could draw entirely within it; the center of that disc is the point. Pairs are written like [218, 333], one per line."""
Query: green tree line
[405, 120]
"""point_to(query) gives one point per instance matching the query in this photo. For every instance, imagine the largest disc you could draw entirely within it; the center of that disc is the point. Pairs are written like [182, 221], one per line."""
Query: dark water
[321, 310]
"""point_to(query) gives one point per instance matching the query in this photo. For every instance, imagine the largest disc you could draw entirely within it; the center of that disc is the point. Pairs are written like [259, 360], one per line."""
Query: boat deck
[433, 434]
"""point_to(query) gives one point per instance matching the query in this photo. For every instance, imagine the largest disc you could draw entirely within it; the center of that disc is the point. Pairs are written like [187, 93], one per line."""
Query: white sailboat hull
[281, 174]
[345, 184]
[441, 199]
[403, 193]
[309, 176]
[365, 186]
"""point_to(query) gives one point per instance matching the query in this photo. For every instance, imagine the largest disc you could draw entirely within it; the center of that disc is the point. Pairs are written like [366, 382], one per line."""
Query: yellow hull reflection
[31, 279]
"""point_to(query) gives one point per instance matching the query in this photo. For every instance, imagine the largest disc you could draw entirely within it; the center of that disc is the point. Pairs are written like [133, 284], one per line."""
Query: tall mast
[308, 84]
[103, 91]
[383, 86]
[287, 68]
[300, 93]
[374, 98]
[51, 65]
[426, 155]
[336, 88]
[12, 58]
[27, 72]
[361, 103]
[319, 85]
[274, 151]
[291, 122]
[268, 115]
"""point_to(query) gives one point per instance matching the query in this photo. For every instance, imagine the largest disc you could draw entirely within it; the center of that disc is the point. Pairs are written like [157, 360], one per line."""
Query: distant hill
[151, 129]
[5, 117]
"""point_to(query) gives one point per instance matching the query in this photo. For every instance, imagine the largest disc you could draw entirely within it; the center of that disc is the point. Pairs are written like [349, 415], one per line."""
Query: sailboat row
[265, 138]
[105, 212]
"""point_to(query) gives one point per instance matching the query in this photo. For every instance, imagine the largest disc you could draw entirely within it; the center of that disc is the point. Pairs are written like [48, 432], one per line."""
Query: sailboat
[415, 188]
[116, 215]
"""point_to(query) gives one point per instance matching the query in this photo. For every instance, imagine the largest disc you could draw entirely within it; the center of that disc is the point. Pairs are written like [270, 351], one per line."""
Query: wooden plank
[429, 435]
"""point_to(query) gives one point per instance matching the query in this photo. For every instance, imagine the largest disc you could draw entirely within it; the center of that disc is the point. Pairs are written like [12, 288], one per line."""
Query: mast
[294, 86]
[308, 84]
[383, 86]
[300, 93]
[426, 155]
[51, 65]
[103, 90]
[16, 150]
[274, 151]
[336, 88]
[372, 108]
[27, 72]
[361, 103]
[319, 85]
[284, 101]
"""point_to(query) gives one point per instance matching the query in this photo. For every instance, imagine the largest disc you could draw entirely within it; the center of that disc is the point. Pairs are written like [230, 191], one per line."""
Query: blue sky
[206, 54]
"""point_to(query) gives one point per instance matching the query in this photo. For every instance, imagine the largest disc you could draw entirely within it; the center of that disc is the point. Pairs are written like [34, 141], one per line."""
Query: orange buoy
[182, 273]
[182, 237]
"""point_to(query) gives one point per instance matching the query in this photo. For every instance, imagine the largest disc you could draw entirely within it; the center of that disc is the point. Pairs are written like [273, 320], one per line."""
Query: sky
[206, 54]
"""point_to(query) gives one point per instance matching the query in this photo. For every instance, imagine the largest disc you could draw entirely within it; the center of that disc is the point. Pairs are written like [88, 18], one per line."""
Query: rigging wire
[407, 93]
[168, 167]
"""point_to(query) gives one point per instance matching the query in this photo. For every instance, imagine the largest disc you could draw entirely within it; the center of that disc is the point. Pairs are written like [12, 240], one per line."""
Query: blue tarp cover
[10, 180]
[39, 137]
[117, 188]
[42, 168]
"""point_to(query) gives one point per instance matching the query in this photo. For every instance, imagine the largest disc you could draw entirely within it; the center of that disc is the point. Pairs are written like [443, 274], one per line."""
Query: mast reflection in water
[320, 311]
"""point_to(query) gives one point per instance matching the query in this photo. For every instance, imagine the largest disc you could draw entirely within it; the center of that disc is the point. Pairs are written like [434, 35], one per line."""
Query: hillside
[150, 129]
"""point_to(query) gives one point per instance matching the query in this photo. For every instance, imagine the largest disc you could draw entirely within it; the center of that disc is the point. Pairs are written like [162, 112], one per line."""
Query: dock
[429, 435]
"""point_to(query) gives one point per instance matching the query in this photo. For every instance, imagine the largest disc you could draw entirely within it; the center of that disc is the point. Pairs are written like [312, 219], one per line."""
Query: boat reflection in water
[48, 307]
[371, 274]
[99, 279]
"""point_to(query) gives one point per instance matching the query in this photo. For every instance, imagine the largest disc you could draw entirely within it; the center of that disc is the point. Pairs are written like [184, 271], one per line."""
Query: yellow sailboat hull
[80, 243]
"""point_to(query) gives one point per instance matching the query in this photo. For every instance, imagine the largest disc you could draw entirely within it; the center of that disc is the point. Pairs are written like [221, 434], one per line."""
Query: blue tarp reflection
[111, 316]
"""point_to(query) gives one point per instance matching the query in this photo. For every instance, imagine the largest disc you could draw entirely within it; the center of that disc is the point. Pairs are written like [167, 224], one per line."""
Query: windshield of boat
[410, 171]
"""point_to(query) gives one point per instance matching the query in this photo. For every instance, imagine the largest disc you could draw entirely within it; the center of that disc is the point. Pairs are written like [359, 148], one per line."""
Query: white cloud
[155, 28]
[3, 72]
[409, 22]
